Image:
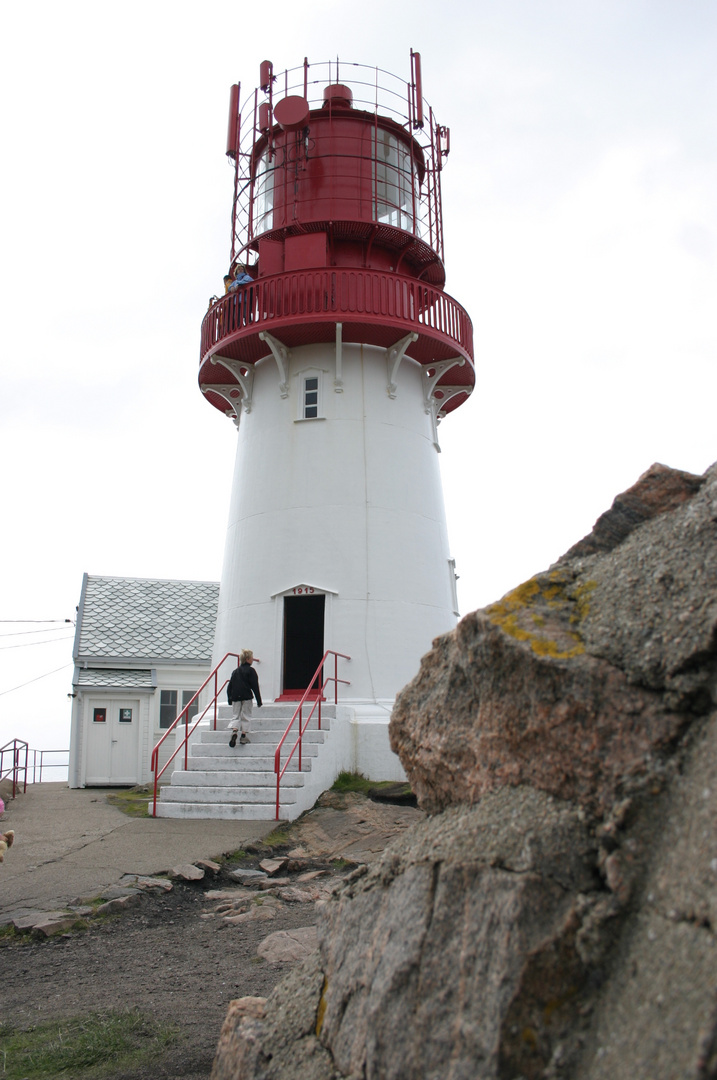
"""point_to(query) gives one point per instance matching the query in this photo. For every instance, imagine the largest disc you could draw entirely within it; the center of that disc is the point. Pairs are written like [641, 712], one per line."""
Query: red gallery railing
[309, 693]
[380, 302]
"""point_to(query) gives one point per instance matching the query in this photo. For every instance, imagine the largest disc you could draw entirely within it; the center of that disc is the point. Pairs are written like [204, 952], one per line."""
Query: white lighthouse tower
[336, 362]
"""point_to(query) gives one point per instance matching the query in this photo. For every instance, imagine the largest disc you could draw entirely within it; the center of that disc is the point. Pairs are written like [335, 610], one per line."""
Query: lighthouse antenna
[417, 87]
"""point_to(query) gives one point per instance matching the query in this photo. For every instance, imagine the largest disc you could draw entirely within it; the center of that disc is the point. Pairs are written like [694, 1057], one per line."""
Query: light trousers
[241, 715]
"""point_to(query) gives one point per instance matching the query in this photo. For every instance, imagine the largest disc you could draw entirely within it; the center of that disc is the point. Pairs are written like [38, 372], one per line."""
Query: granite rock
[581, 680]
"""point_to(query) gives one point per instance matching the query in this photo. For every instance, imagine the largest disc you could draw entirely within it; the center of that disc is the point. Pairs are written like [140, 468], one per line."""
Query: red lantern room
[337, 220]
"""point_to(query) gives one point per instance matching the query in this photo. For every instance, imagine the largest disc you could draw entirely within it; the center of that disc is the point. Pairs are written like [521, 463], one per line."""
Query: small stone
[310, 875]
[188, 872]
[120, 903]
[254, 914]
[273, 866]
[140, 881]
[298, 896]
[34, 918]
[54, 926]
[247, 877]
[160, 883]
[115, 892]
[227, 894]
[288, 946]
[208, 865]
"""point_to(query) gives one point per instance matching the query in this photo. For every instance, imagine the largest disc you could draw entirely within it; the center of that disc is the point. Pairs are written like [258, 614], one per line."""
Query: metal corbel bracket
[281, 355]
[395, 355]
[438, 370]
[432, 404]
[244, 375]
[231, 394]
[449, 392]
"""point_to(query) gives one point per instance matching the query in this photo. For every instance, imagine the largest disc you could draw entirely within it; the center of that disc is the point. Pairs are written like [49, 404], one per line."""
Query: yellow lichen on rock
[553, 593]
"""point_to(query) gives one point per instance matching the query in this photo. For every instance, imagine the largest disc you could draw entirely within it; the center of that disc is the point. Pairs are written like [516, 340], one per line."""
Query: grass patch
[100, 1044]
[231, 857]
[133, 802]
[352, 781]
[277, 838]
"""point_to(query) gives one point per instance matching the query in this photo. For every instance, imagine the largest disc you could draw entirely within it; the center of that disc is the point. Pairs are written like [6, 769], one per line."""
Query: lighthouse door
[303, 640]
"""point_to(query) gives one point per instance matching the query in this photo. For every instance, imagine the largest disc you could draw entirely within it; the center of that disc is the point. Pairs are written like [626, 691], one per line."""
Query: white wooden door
[112, 741]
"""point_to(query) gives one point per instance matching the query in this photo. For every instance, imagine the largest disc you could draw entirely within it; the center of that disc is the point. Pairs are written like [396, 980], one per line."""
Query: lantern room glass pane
[393, 182]
[264, 195]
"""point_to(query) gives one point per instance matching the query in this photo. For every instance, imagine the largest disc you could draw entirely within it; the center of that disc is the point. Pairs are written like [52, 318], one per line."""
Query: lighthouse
[337, 356]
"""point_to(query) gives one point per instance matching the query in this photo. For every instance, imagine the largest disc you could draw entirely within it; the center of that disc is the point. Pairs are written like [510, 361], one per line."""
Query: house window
[187, 696]
[167, 708]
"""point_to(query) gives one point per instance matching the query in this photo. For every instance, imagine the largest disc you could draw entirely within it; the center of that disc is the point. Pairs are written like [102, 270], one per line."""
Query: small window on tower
[311, 398]
[310, 404]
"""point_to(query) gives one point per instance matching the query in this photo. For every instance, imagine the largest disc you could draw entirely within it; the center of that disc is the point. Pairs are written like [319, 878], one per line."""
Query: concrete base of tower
[366, 735]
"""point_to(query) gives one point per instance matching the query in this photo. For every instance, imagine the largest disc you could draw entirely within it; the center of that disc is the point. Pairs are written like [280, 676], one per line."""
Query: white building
[142, 649]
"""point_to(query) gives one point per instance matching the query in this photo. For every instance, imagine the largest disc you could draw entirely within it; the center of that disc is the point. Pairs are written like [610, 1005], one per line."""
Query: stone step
[280, 712]
[260, 748]
[260, 735]
[231, 762]
[272, 723]
[228, 779]
[220, 811]
[226, 794]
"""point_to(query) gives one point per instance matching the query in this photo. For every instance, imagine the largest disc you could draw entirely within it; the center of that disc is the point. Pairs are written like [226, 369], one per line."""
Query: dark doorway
[303, 640]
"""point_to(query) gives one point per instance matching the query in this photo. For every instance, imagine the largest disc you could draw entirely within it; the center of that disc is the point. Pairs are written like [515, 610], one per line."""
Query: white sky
[581, 236]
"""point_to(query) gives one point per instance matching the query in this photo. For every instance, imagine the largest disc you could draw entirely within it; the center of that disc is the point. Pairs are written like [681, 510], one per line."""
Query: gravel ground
[160, 957]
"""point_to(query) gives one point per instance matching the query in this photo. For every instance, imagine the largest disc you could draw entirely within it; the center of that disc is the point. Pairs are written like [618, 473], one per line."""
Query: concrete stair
[221, 782]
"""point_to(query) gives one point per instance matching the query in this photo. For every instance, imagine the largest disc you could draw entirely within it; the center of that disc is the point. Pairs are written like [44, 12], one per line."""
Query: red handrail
[14, 747]
[188, 731]
[299, 712]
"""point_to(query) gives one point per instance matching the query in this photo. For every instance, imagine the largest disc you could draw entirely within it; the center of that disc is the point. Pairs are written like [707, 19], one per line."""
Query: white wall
[351, 504]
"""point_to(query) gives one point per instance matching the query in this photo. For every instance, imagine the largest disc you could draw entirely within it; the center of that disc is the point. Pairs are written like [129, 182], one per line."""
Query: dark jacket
[243, 684]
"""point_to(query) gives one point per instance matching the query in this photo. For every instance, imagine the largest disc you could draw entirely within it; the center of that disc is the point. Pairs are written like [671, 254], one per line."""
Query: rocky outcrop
[579, 681]
[555, 915]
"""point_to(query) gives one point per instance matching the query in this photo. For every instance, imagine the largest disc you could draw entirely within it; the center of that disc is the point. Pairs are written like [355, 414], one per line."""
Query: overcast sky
[581, 237]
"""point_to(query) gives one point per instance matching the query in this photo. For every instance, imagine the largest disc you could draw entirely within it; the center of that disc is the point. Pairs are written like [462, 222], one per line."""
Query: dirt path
[175, 957]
